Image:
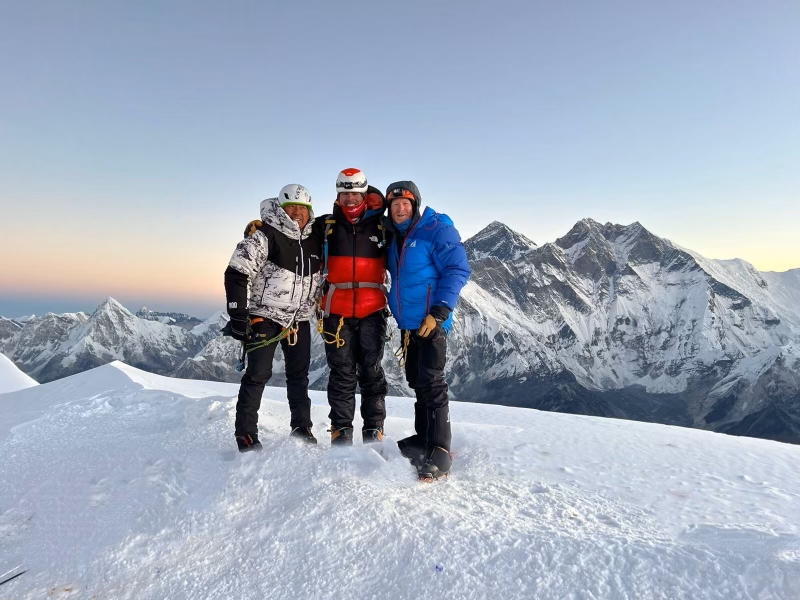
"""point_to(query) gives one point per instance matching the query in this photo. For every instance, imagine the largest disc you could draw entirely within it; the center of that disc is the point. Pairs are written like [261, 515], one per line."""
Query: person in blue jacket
[428, 267]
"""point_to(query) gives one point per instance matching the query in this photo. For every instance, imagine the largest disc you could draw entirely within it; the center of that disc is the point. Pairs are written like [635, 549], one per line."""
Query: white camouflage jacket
[282, 265]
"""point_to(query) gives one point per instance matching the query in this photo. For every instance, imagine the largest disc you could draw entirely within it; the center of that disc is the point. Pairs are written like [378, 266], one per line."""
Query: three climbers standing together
[334, 268]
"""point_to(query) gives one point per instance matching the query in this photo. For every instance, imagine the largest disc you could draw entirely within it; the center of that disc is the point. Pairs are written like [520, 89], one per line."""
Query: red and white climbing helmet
[351, 180]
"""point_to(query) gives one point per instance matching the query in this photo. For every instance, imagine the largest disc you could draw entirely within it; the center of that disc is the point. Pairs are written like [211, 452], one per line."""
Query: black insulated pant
[358, 361]
[425, 360]
[259, 371]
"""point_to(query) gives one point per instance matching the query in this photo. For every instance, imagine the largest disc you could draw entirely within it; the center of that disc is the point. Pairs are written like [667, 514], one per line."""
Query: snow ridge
[160, 505]
[11, 378]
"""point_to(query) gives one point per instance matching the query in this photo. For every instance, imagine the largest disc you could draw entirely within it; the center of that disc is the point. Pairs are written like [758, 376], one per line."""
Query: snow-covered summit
[41, 340]
[9, 329]
[593, 248]
[111, 306]
[497, 240]
[168, 318]
[115, 333]
[11, 378]
[134, 490]
[212, 324]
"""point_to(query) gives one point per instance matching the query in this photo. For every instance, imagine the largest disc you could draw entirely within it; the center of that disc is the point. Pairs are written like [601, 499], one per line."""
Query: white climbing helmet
[351, 180]
[294, 194]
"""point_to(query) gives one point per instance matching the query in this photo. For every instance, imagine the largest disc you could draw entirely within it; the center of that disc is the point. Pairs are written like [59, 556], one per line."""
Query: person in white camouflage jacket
[281, 264]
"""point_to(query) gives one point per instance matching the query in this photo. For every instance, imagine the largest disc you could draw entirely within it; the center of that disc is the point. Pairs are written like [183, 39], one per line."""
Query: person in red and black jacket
[354, 305]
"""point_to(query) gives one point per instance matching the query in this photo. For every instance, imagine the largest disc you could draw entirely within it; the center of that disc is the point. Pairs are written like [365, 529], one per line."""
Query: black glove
[240, 326]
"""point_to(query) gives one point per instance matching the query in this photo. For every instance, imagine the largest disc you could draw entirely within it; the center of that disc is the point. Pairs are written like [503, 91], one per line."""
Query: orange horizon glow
[200, 281]
[78, 260]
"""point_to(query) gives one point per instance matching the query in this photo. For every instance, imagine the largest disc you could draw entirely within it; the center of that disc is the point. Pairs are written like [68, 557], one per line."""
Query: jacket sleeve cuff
[440, 313]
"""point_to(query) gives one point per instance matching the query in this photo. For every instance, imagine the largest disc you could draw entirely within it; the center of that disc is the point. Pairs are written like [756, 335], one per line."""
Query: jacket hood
[272, 214]
[374, 195]
[419, 220]
[406, 185]
[429, 214]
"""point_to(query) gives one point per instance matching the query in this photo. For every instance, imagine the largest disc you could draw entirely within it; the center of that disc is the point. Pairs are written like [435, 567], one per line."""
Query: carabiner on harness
[339, 342]
[289, 332]
[402, 352]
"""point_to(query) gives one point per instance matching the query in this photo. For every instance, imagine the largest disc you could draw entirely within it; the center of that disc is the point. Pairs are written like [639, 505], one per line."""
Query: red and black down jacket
[356, 254]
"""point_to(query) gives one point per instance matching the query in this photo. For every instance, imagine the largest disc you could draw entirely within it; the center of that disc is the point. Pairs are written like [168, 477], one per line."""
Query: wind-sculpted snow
[134, 490]
[11, 378]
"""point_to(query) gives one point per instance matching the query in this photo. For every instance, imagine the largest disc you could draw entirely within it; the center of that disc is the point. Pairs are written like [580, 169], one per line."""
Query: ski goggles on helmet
[400, 193]
[351, 185]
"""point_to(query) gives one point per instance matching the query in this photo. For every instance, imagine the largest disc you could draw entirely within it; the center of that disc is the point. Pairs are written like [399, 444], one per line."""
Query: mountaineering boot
[413, 448]
[303, 433]
[436, 466]
[341, 436]
[370, 435]
[248, 442]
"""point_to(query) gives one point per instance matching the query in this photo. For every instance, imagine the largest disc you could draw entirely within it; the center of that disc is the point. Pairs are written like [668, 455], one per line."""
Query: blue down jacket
[428, 268]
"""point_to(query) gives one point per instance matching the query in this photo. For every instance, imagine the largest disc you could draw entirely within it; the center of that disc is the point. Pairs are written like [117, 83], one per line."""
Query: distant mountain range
[608, 320]
[613, 320]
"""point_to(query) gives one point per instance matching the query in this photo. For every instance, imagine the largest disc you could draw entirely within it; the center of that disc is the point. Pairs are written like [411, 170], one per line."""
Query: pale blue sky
[137, 139]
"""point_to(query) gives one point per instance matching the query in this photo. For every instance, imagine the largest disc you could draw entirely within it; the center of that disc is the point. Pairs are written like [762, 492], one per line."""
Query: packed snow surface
[116, 483]
[11, 378]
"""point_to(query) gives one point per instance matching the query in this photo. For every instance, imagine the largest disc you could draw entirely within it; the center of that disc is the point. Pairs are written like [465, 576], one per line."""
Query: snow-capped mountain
[55, 346]
[215, 362]
[8, 331]
[117, 483]
[499, 241]
[40, 340]
[613, 320]
[168, 318]
[608, 320]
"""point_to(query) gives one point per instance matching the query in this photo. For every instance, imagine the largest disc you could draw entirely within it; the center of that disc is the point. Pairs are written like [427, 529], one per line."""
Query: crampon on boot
[436, 466]
[370, 435]
[304, 434]
[413, 448]
[248, 442]
[341, 436]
